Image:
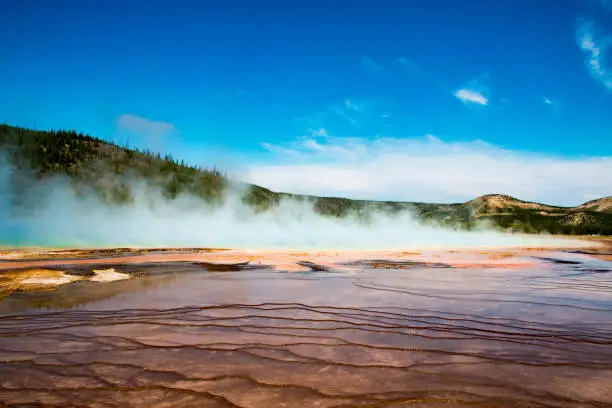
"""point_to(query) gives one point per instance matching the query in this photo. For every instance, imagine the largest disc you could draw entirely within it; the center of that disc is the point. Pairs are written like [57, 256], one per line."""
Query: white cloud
[596, 46]
[370, 64]
[143, 126]
[318, 132]
[351, 112]
[409, 66]
[352, 105]
[475, 91]
[405, 62]
[471, 96]
[429, 169]
[349, 109]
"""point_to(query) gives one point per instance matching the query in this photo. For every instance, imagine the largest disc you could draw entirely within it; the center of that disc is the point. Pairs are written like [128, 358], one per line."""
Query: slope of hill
[600, 205]
[106, 169]
[500, 203]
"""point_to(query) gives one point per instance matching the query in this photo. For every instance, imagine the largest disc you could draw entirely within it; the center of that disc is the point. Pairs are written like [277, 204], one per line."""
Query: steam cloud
[57, 216]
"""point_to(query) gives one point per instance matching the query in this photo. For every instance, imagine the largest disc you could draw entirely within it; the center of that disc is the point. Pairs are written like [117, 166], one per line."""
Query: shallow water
[397, 336]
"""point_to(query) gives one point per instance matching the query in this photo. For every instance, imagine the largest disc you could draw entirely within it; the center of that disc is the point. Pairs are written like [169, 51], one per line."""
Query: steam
[54, 215]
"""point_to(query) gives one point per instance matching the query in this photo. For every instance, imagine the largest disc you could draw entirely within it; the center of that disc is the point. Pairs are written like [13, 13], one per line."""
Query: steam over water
[52, 214]
[364, 333]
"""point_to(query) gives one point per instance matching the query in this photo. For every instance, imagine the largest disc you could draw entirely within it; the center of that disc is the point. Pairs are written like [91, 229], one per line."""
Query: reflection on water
[79, 294]
[361, 336]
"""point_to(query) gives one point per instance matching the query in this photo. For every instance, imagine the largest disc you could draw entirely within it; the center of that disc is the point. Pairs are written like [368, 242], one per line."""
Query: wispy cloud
[349, 109]
[428, 169]
[143, 126]
[318, 132]
[347, 116]
[474, 92]
[404, 62]
[368, 63]
[596, 45]
[471, 96]
[140, 132]
[400, 62]
[352, 105]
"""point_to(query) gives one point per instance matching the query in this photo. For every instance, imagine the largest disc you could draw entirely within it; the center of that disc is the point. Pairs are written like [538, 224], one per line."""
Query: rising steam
[54, 215]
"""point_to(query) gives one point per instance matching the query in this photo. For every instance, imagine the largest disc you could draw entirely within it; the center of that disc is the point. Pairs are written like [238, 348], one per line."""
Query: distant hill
[106, 169]
[600, 205]
[500, 204]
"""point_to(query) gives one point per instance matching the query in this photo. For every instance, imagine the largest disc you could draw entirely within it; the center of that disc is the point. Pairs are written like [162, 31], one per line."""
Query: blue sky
[266, 86]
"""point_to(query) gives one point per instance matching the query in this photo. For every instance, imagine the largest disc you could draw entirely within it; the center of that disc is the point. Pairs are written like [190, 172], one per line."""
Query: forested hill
[91, 163]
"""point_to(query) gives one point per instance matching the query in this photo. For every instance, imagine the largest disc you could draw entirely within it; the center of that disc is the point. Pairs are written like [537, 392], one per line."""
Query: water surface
[367, 334]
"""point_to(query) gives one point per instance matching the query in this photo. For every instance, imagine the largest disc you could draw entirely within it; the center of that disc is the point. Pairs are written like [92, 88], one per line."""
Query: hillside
[600, 205]
[501, 204]
[106, 169]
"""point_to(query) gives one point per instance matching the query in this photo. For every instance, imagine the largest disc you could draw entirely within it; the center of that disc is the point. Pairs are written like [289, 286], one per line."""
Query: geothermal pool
[483, 328]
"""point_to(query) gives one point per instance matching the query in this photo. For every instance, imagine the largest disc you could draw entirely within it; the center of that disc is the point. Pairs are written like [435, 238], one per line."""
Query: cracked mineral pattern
[360, 337]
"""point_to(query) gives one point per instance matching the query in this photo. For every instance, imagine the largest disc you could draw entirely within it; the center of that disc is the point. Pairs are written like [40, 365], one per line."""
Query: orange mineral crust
[281, 260]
